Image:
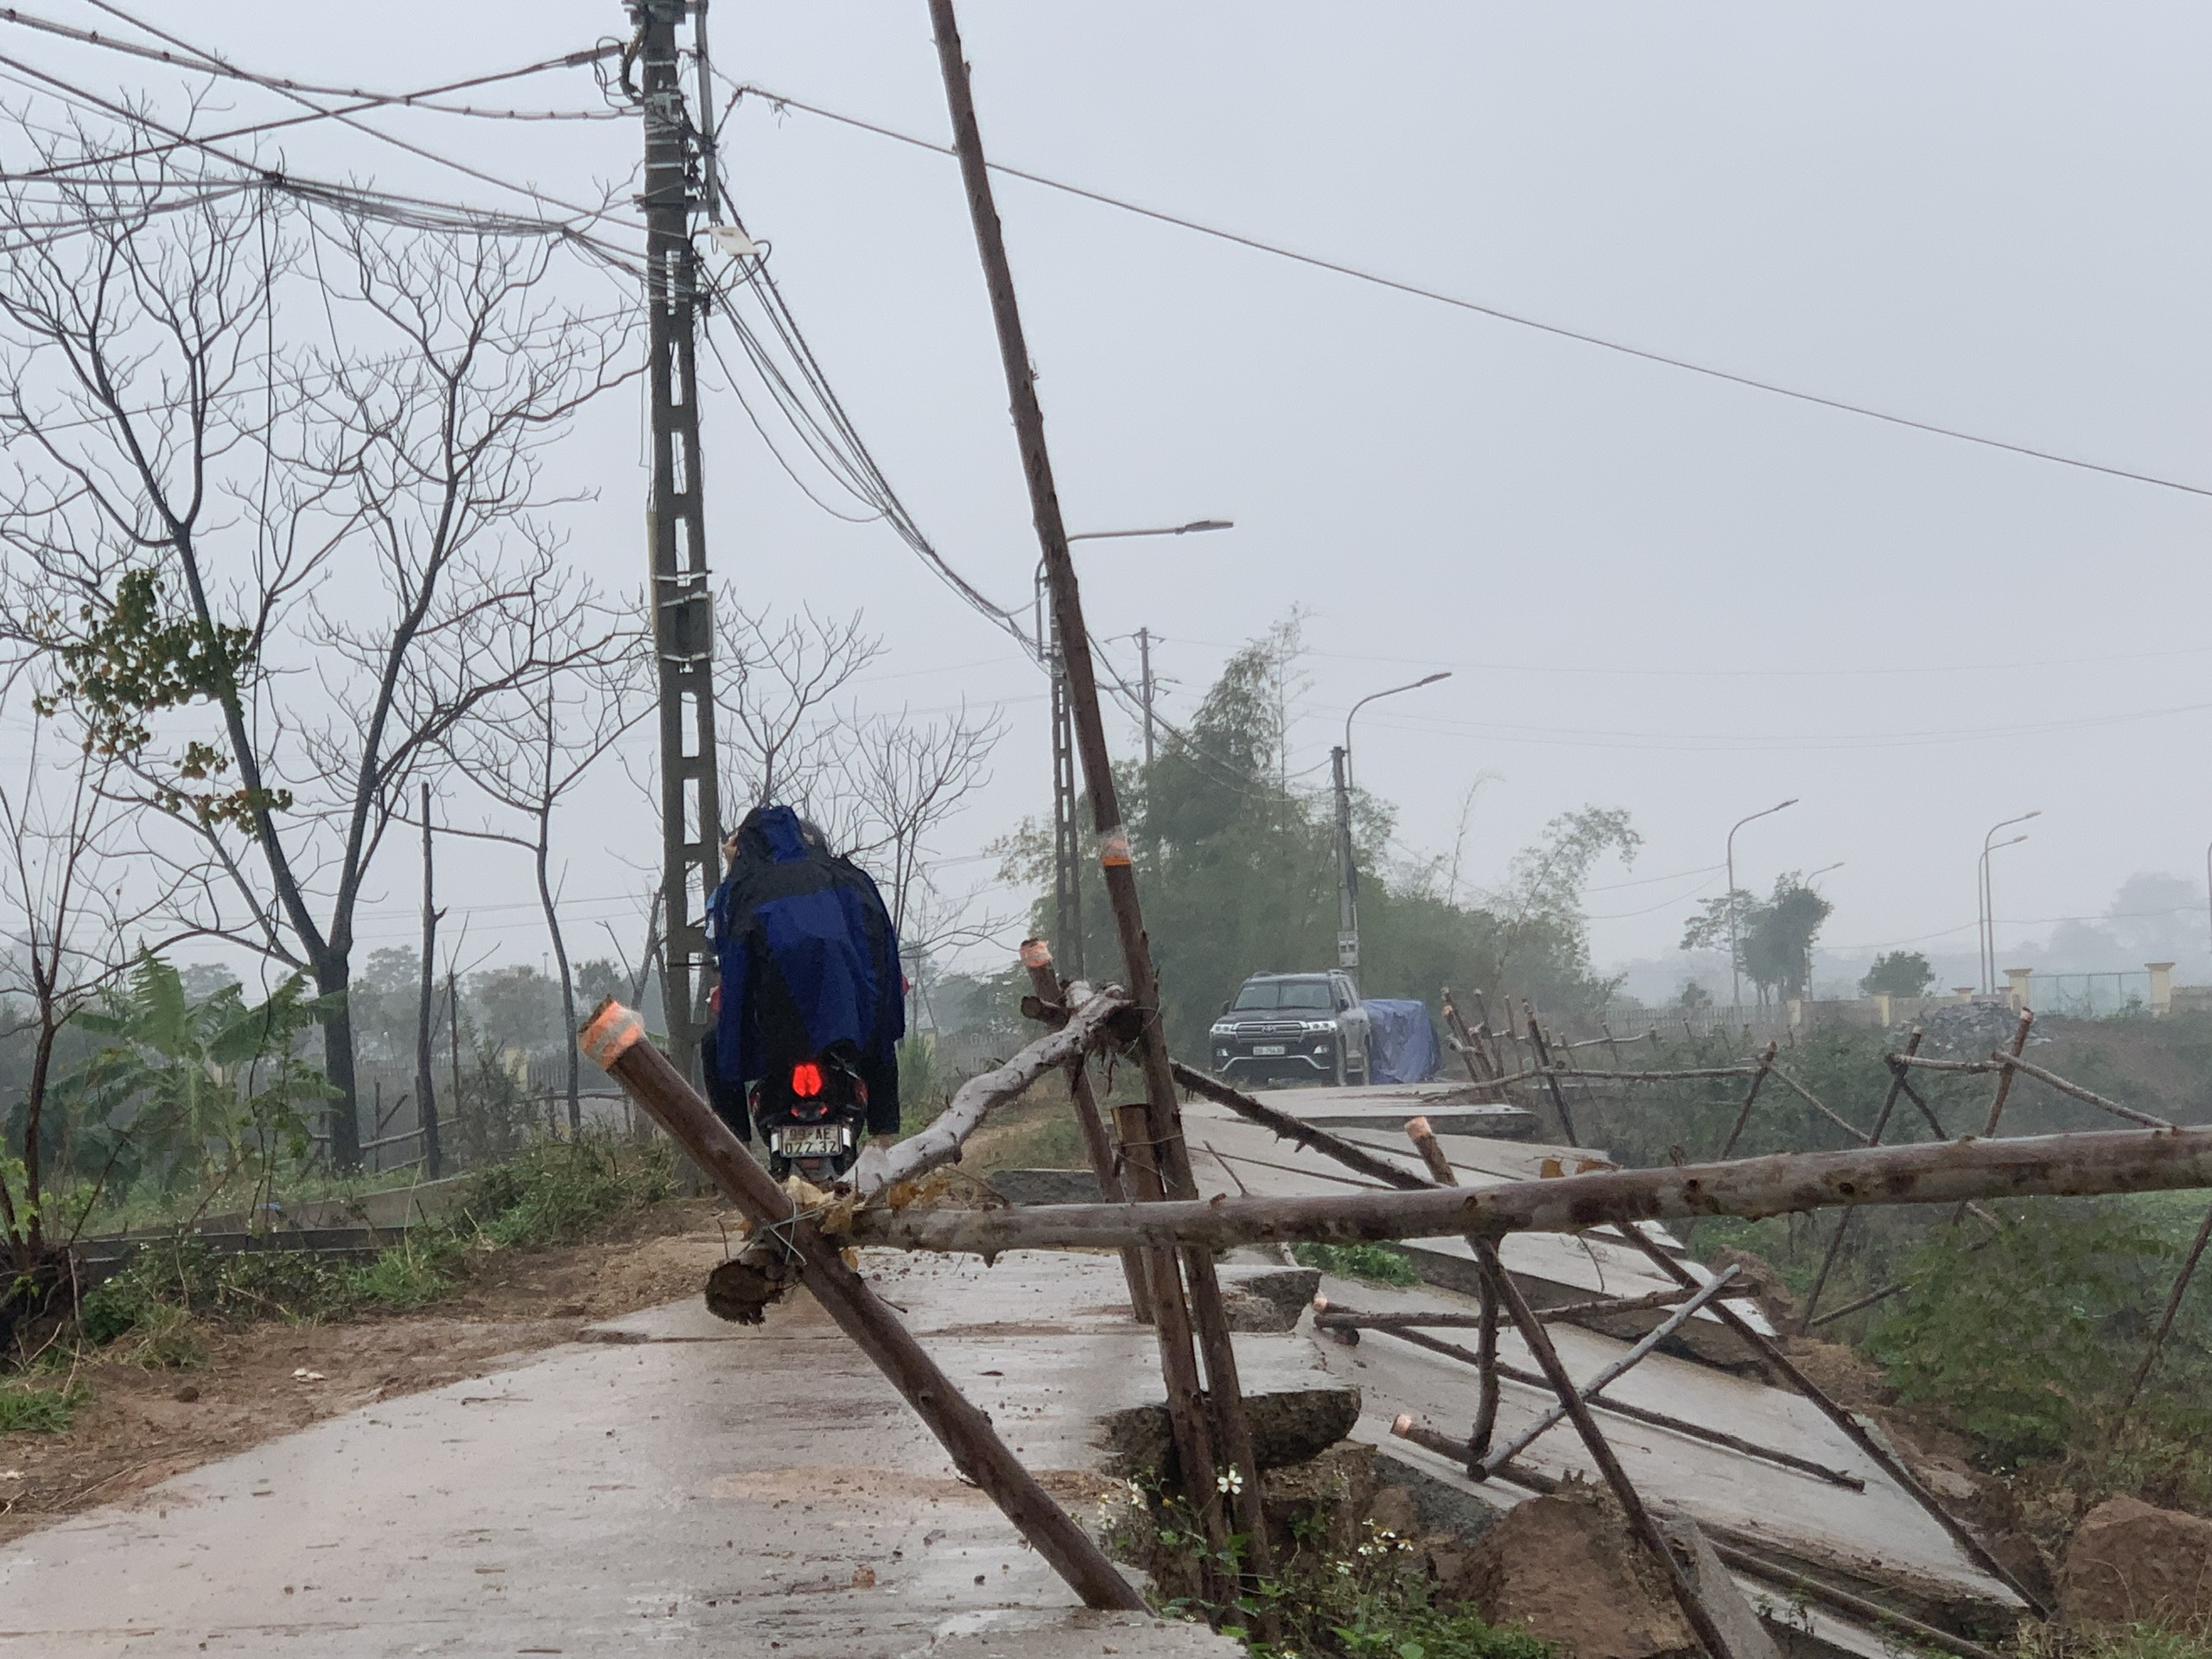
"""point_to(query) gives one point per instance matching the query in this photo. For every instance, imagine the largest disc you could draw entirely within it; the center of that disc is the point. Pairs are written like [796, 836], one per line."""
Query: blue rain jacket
[808, 958]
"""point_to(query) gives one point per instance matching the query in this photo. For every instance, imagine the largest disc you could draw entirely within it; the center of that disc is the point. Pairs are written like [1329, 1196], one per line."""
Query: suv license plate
[1268, 1051]
[812, 1143]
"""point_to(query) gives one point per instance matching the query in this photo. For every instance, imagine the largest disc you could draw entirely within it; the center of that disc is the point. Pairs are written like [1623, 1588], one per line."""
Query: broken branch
[979, 1097]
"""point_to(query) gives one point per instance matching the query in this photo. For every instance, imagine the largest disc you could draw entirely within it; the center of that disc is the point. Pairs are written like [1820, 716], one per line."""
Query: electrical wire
[212, 64]
[1335, 267]
[413, 212]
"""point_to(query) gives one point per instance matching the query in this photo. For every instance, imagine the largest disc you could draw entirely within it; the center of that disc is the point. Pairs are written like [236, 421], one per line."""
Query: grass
[2113, 1641]
[31, 1408]
[1379, 1264]
[1371, 1600]
[551, 1194]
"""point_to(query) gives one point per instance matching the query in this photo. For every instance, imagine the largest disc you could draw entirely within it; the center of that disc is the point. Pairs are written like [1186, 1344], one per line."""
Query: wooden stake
[1208, 1313]
[1873, 1139]
[1467, 1454]
[1743, 1117]
[1601, 1453]
[1612, 1373]
[1037, 957]
[615, 1040]
[1544, 1061]
[1999, 1060]
[1848, 1423]
[1290, 1128]
[1485, 1356]
[2165, 1324]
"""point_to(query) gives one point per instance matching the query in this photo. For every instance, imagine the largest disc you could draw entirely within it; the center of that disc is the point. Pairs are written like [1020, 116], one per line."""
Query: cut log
[2052, 1166]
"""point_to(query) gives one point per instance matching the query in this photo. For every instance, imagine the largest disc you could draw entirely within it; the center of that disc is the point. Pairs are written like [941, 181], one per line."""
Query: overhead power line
[418, 213]
[212, 63]
[1337, 267]
[209, 63]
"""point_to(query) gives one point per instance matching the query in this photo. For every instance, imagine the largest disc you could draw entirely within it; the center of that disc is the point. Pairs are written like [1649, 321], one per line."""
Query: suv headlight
[1317, 1025]
[1222, 1028]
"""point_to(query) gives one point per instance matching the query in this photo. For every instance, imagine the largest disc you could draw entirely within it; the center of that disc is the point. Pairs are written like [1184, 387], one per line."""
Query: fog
[1655, 589]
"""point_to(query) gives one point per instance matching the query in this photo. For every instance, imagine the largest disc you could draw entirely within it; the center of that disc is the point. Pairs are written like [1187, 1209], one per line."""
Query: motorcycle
[812, 1114]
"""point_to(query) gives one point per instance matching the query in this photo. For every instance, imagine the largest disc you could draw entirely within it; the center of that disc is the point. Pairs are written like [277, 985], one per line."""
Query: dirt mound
[2131, 1563]
[1566, 1565]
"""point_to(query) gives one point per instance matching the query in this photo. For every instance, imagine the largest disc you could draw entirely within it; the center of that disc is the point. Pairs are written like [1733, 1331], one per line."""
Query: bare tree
[899, 783]
[777, 687]
[72, 896]
[329, 546]
[530, 749]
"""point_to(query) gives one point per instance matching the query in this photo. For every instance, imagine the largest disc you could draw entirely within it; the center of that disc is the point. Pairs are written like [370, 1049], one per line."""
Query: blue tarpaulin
[1400, 1042]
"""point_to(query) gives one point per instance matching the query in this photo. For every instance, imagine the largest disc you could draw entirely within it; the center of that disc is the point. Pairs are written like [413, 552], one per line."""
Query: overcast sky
[1655, 589]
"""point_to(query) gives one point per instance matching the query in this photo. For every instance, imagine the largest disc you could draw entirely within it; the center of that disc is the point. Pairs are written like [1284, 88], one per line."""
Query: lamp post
[1735, 973]
[1067, 880]
[1985, 904]
[1347, 874]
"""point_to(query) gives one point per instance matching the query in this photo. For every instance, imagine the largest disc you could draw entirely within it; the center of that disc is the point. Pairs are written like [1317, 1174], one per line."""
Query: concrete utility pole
[683, 622]
[1144, 659]
[1347, 871]
[1067, 836]
[426, 1098]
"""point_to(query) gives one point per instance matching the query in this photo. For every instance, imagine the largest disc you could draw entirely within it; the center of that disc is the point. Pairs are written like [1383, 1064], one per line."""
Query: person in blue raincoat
[809, 961]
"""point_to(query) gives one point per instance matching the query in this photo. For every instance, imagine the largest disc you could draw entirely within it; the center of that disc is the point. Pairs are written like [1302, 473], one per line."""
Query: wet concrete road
[683, 1488]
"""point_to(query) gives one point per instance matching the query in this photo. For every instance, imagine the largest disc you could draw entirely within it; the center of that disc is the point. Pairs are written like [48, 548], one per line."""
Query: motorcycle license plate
[812, 1143]
[1268, 1051]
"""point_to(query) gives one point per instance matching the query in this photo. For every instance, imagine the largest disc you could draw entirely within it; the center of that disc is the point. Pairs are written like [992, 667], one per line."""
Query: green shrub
[2026, 1338]
[557, 1192]
[1381, 1264]
[26, 1409]
[416, 1271]
[167, 1338]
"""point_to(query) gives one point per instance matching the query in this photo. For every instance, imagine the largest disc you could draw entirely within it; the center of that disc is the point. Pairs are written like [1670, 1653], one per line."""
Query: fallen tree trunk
[979, 1097]
[616, 1041]
[1944, 1172]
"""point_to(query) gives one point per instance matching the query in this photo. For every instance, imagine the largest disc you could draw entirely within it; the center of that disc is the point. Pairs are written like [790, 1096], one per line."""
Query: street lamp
[1735, 975]
[1067, 889]
[1194, 527]
[1984, 903]
[1347, 874]
[1823, 870]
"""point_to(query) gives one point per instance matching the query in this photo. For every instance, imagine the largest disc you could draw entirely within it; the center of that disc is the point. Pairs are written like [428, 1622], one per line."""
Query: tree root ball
[743, 1288]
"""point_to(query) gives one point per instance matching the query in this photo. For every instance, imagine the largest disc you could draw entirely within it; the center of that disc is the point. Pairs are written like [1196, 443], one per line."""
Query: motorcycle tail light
[806, 1079]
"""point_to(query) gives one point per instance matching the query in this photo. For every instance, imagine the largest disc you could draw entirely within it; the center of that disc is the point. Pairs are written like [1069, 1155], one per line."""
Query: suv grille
[1249, 1029]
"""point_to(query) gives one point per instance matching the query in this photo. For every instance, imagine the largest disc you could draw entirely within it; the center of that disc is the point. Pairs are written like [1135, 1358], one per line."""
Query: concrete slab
[1230, 1155]
[678, 1483]
[1450, 1109]
[1879, 1536]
